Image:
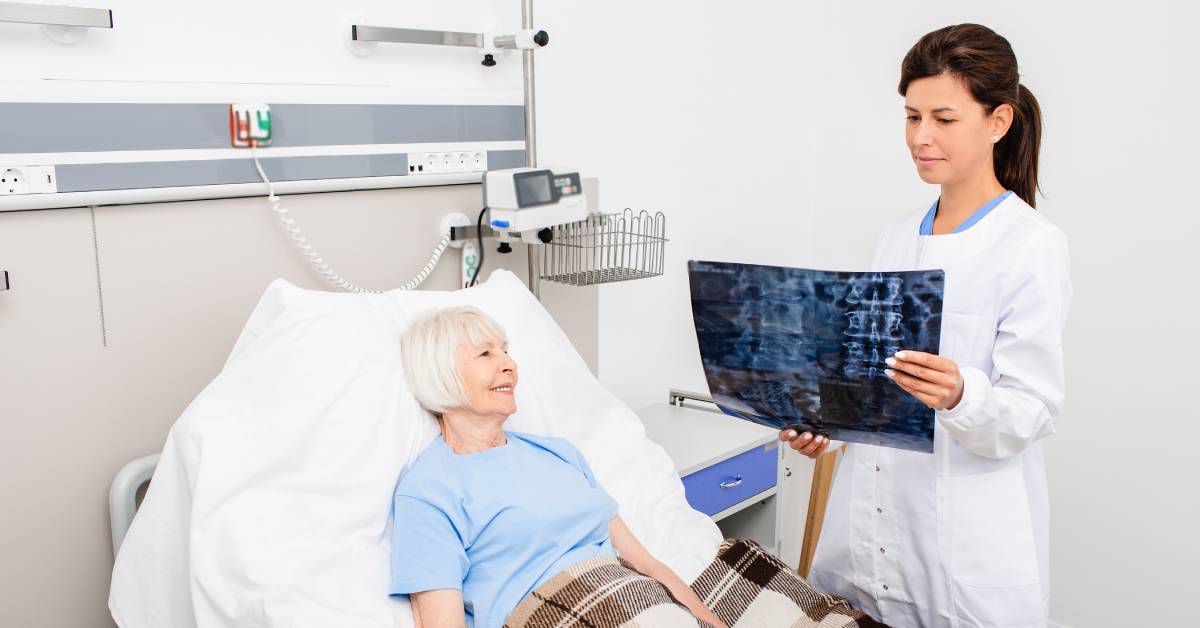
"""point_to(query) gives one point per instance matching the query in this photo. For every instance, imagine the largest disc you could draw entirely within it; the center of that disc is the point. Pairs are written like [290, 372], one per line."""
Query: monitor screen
[534, 190]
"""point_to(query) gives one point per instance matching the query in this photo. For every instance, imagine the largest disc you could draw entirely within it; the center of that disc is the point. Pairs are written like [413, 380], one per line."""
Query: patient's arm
[439, 608]
[632, 551]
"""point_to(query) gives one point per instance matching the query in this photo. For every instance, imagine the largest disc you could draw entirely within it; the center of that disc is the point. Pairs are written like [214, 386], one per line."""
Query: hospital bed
[270, 500]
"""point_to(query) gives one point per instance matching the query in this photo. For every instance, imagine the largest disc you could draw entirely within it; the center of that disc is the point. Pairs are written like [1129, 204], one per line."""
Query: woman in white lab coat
[959, 538]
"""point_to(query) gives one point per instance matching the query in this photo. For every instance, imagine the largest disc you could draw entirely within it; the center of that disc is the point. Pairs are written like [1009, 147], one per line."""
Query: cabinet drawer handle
[737, 479]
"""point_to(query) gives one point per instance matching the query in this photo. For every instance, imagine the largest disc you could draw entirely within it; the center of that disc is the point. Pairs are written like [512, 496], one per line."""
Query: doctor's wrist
[957, 398]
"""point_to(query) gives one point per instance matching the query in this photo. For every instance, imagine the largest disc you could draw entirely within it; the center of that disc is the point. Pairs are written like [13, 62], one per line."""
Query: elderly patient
[485, 516]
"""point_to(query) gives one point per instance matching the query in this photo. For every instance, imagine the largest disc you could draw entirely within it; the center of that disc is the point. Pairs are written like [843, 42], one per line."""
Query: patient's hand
[808, 444]
[632, 551]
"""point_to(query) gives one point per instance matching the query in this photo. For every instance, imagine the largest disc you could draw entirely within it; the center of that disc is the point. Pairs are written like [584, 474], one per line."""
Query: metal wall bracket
[48, 15]
[362, 32]
[525, 40]
[458, 234]
[677, 397]
[4, 285]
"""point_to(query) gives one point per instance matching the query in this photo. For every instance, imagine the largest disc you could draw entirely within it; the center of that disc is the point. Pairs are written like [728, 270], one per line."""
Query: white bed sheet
[270, 503]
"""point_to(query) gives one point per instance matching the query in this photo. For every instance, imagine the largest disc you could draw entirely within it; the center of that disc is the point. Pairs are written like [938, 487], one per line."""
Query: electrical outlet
[440, 163]
[424, 163]
[16, 180]
[435, 163]
[13, 181]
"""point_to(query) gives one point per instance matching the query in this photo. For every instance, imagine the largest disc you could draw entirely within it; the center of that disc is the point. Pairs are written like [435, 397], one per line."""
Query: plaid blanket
[745, 586]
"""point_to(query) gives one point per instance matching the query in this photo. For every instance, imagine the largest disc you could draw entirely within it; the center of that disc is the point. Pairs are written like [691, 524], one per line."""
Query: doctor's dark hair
[986, 64]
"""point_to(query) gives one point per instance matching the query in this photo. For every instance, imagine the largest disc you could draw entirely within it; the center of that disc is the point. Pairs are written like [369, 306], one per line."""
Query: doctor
[959, 538]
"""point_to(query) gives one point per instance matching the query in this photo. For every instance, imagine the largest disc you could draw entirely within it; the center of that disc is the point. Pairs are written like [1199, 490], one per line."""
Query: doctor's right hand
[807, 443]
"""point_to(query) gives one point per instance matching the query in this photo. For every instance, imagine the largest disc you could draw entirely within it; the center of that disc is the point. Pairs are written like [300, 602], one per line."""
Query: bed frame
[124, 496]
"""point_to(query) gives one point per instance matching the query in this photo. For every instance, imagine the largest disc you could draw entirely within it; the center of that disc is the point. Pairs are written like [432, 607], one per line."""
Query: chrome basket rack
[605, 248]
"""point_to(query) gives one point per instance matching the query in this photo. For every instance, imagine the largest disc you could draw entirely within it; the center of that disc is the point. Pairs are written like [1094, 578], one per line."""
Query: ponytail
[1015, 156]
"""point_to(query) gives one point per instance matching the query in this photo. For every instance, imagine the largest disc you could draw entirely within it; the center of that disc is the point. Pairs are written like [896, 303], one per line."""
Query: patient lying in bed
[483, 517]
[497, 528]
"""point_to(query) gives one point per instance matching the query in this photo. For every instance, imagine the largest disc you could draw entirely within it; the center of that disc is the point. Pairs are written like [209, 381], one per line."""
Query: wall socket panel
[15, 180]
[453, 161]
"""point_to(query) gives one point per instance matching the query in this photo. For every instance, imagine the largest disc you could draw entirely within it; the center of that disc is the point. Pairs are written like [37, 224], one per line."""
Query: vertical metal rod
[530, 100]
[593, 240]
[661, 219]
[535, 283]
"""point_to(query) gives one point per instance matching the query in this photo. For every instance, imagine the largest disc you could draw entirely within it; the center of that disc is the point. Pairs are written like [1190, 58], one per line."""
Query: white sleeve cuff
[975, 390]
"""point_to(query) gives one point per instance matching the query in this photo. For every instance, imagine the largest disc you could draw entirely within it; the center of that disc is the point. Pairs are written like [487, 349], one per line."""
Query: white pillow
[270, 503]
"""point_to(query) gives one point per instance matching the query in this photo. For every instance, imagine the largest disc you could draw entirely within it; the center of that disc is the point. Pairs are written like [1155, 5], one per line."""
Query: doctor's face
[489, 376]
[949, 134]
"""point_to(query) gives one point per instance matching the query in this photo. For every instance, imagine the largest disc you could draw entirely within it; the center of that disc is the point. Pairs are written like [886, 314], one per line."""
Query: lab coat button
[882, 551]
[885, 587]
[876, 467]
[879, 510]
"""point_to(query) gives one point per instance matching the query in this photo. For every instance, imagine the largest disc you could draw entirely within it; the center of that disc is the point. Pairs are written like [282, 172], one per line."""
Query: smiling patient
[484, 516]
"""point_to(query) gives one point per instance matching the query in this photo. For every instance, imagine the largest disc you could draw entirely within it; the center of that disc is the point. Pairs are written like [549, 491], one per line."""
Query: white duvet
[270, 504]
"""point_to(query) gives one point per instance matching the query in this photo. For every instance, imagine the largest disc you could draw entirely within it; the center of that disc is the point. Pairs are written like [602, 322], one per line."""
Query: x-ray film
[806, 348]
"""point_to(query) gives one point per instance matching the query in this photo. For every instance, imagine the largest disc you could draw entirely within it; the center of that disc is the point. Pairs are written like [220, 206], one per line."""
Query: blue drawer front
[713, 489]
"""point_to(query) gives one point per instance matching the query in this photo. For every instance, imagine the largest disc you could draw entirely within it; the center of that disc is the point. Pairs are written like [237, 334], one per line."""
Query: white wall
[273, 49]
[771, 132]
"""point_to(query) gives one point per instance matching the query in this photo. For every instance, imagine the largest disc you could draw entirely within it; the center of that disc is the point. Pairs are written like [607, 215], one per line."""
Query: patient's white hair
[429, 351]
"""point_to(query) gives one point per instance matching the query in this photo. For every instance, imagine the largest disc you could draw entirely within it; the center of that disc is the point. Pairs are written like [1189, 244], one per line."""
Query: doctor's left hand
[932, 379]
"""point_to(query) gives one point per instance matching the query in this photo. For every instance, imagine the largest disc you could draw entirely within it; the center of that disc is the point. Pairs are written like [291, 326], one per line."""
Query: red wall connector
[249, 124]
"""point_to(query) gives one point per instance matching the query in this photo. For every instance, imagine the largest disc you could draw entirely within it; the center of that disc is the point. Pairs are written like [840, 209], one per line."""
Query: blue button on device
[500, 224]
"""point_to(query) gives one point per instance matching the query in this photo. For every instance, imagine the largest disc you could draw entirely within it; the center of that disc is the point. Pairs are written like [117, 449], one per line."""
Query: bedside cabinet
[731, 469]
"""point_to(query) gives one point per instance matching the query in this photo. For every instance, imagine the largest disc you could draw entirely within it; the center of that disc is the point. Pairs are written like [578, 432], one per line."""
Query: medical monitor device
[532, 199]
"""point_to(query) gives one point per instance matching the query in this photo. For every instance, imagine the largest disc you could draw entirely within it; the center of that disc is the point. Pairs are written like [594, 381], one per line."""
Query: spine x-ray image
[806, 348]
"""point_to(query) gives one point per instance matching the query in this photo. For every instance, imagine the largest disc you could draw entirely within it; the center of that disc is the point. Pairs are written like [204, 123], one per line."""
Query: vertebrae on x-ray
[873, 324]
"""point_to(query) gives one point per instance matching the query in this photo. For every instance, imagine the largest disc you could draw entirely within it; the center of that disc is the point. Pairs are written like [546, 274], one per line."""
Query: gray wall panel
[69, 127]
[93, 127]
[124, 176]
[501, 159]
[316, 125]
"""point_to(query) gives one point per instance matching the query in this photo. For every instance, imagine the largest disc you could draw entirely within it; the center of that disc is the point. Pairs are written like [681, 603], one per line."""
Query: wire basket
[606, 248]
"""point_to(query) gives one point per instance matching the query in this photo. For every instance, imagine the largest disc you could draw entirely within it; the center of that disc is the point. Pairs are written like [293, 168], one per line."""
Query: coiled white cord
[317, 261]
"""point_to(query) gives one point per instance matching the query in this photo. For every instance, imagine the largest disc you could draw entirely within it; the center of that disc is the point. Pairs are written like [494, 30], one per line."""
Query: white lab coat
[959, 538]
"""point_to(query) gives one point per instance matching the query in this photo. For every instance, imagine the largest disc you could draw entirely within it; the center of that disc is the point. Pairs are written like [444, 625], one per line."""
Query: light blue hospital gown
[496, 524]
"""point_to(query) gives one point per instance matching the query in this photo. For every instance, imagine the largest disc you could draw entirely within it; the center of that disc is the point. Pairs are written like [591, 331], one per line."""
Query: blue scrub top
[985, 209]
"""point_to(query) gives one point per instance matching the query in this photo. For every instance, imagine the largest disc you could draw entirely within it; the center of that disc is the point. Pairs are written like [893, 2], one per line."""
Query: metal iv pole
[530, 136]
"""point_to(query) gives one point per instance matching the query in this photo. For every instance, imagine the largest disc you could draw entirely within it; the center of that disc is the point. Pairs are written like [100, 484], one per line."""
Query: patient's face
[490, 377]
